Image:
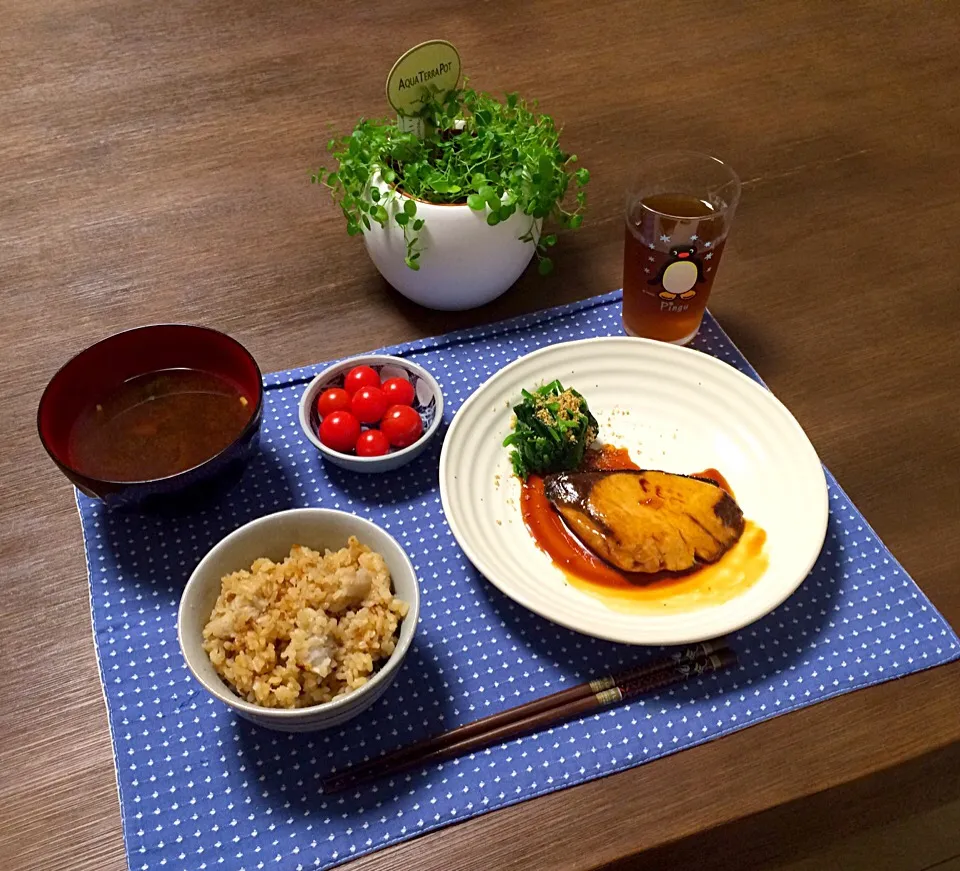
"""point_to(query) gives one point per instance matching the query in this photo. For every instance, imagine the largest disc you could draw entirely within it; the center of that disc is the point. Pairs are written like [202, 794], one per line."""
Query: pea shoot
[498, 157]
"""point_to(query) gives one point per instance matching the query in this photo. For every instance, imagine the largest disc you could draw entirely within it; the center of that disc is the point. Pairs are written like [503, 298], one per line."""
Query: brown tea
[158, 424]
[672, 247]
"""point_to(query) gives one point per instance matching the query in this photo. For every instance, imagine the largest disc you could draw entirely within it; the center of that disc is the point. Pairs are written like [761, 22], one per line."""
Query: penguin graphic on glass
[679, 276]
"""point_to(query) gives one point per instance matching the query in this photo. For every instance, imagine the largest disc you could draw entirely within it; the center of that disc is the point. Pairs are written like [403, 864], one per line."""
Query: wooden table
[154, 165]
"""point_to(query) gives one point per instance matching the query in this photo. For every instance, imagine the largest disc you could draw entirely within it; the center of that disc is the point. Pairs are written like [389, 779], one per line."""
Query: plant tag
[412, 124]
[425, 68]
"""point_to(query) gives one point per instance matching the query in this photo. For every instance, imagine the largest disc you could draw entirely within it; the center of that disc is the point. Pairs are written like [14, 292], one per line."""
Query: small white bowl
[428, 402]
[272, 536]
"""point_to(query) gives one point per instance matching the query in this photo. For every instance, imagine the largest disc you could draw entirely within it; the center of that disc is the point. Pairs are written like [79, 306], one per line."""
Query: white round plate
[674, 409]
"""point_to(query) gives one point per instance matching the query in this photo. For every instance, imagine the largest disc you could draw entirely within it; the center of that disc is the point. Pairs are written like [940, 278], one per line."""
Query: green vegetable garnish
[553, 428]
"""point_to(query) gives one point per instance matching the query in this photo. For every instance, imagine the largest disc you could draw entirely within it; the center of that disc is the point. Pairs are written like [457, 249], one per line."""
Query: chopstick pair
[552, 710]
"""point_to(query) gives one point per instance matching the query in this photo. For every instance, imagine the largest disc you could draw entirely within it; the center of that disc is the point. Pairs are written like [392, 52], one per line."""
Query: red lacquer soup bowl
[157, 416]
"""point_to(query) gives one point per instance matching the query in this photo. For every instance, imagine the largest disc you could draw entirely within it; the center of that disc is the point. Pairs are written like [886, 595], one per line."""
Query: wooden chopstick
[529, 709]
[539, 714]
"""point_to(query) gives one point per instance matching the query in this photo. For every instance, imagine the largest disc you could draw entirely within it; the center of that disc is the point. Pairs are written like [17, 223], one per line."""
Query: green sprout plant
[493, 156]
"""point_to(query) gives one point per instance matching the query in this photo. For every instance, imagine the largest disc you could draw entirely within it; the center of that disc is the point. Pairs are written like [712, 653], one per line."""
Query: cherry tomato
[331, 400]
[340, 431]
[368, 404]
[401, 425]
[398, 391]
[360, 376]
[372, 443]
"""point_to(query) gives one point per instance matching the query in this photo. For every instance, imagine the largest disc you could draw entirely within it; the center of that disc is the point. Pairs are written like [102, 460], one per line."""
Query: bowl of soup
[154, 416]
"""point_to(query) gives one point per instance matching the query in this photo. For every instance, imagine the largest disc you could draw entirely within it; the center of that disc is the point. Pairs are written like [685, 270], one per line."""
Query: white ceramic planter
[464, 262]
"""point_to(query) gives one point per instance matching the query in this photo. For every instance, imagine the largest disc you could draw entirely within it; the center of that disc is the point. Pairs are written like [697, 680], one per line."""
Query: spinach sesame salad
[551, 430]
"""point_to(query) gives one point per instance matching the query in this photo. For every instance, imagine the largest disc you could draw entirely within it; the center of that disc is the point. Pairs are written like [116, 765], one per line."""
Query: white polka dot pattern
[201, 789]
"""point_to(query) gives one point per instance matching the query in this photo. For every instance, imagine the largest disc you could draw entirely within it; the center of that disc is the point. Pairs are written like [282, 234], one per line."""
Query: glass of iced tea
[678, 215]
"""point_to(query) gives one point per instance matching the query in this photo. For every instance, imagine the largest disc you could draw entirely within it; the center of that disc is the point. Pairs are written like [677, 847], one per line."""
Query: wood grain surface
[154, 165]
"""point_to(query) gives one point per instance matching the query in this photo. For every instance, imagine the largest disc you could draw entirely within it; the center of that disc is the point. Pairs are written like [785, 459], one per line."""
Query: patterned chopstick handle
[704, 648]
[679, 672]
[688, 654]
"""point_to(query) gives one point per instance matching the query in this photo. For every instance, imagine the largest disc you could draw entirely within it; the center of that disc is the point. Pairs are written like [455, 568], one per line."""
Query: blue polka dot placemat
[201, 789]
